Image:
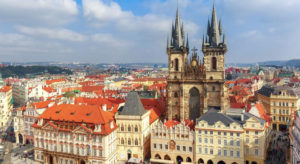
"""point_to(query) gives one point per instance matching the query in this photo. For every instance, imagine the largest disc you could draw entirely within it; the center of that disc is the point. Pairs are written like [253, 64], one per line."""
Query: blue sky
[121, 31]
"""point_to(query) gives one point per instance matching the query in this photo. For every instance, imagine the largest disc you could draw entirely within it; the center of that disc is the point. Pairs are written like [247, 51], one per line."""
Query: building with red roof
[6, 107]
[76, 134]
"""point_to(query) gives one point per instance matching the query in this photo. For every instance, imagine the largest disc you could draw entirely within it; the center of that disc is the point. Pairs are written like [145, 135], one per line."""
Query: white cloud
[61, 34]
[49, 12]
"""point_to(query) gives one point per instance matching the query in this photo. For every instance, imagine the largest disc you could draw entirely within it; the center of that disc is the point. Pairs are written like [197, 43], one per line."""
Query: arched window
[214, 63]
[136, 142]
[122, 128]
[213, 88]
[211, 78]
[175, 94]
[129, 128]
[136, 129]
[176, 64]
[122, 141]
[129, 142]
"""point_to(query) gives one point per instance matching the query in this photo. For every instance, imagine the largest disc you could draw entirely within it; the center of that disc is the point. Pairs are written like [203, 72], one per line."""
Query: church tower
[195, 86]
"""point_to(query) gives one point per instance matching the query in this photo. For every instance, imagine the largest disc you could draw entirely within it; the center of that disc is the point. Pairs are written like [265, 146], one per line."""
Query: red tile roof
[48, 82]
[171, 123]
[48, 89]
[92, 88]
[5, 89]
[42, 104]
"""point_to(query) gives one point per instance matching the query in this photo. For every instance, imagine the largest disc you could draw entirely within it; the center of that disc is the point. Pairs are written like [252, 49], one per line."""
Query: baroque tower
[195, 86]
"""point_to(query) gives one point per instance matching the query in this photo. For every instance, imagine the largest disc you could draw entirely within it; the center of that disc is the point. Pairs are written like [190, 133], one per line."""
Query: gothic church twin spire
[214, 31]
[178, 41]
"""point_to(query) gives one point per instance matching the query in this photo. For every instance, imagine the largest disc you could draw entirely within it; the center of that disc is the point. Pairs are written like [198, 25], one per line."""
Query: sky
[126, 31]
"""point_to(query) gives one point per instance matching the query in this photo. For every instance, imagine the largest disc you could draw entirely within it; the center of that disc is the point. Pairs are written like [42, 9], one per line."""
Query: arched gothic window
[129, 142]
[129, 128]
[176, 64]
[214, 63]
[136, 142]
[136, 128]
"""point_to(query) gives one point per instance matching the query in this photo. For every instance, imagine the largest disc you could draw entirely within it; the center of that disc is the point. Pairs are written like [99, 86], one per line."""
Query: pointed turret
[187, 43]
[220, 27]
[215, 34]
[178, 41]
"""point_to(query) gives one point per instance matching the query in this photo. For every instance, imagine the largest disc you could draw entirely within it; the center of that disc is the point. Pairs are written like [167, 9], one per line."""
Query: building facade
[5, 105]
[194, 85]
[133, 130]
[295, 140]
[20, 93]
[280, 103]
[75, 134]
[231, 138]
[172, 142]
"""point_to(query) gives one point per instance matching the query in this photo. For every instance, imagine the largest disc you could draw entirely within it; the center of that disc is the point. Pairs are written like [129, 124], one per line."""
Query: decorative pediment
[82, 129]
[49, 126]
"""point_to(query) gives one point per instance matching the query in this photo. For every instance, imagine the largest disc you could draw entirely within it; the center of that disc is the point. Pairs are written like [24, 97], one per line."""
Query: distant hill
[23, 71]
[293, 63]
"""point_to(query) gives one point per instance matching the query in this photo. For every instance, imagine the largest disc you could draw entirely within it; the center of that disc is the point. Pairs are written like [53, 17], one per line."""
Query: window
[247, 132]
[274, 111]
[247, 150]
[200, 150]
[256, 141]
[211, 141]
[160, 146]
[129, 128]
[225, 152]
[166, 147]
[176, 64]
[247, 140]
[256, 132]
[225, 142]
[238, 134]
[190, 149]
[136, 142]
[231, 153]
[206, 151]
[219, 133]
[238, 154]
[237, 143]
[199, 131]
[256, 152]
[178, 147]
[200, 139]
[175, 94]
[100, 153]
[211, 132]
[82, 137]
[211, 151]
[129, 142]
[205, 140]
[205, 132]
[183, 148]
[219, 152]
[214, 63]
[154, 145]
[231, 142]
[231, 134]
[94, 139]
[219, 141]
[136, 128]
[122, 128]
[225, 133]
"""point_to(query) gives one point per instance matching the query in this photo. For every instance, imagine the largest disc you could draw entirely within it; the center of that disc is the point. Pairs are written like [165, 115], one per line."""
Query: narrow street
[278, 148]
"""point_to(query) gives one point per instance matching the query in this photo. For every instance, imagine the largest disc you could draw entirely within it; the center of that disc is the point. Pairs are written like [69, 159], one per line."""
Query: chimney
[242, 115]
[104, 107]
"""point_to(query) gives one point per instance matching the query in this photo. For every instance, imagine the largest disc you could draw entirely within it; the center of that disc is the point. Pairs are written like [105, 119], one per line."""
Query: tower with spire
[195, 86]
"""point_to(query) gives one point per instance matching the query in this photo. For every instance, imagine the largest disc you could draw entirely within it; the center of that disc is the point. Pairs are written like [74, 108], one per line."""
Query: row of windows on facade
[70, 149]
[283, 104]
[280, 118]
[172, 135]
[225, 133]
[178, 147]
[220, 142]
[136, 142]
[176, 63]
[129, 128]
[69, 136]
[211, 151]
[281, 111]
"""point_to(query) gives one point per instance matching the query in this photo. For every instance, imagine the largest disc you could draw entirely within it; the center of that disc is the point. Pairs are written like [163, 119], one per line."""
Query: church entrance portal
[194, 104]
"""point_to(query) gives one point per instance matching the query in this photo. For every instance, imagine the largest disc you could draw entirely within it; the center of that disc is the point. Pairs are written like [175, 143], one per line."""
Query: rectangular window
[154, 145]
[199, 131]
[206, 151]
[200, 139]
[160, 146]
[256, 141]
[231, 134]
[225, 152]
[205, 140]
[238, 134]
[225, 142]
[247, 140]
[190, 149]
[100, 153]
[256, 152]
[205, 132]
[183, 148]
[219, 133]
[219, 141]
[231, 142]
[211, 141]
[219, 152]
[256, 132]
[178, 148]
[211, 132]
[211, 151]
[200, 150]
[166, 147]
[247, 150]
[237, 143]
[238, 154]
[225, 133]
[231, 153]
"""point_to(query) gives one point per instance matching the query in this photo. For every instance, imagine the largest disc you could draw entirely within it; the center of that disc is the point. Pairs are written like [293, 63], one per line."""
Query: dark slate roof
[247, 115]
[212, 116]
[266, 91]
[133, 106]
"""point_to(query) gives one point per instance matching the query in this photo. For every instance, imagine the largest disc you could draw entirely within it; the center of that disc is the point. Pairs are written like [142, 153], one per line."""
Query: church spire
[187, 43]
[178, 38]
